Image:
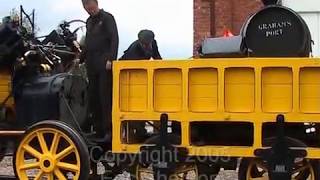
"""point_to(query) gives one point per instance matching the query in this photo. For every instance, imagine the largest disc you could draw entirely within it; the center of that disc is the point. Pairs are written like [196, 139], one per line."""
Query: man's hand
[108, 65]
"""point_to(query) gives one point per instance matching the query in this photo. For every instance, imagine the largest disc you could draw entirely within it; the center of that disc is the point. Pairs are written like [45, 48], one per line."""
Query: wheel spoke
[259, 169]
[68, 166]
[55, 143]
[65, 152]
[42, 143]
[30, 166]
[59, 174]
[260, 178]
[32, 151]
[145, 170]
[39, 175]
[262, 166]
[300, 169]
[50, 176]
[183, 171]
[176, 177]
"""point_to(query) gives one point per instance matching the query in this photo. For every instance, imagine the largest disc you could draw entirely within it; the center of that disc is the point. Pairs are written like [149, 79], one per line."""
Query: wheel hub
[47, 164]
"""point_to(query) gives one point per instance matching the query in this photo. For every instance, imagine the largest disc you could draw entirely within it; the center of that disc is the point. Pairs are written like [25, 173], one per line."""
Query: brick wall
[212, 17]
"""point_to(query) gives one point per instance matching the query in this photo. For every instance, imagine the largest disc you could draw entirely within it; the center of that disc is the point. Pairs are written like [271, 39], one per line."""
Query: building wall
[212, 17]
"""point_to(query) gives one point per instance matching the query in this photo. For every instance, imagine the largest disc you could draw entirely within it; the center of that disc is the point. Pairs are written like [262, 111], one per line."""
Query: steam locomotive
[39, 72]
[40, 79]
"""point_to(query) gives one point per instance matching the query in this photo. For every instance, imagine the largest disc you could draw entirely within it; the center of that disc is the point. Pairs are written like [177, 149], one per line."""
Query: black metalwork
[30, 19]
[280, 157]
[162, 156]
[273, 31]
[270, 2]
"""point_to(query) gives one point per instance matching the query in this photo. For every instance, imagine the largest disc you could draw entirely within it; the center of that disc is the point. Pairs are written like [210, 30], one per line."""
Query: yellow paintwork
[47, 160]
[5, 86]
[245, 89]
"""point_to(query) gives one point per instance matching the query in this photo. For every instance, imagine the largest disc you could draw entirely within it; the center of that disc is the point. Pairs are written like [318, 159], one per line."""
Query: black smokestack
[270, 2]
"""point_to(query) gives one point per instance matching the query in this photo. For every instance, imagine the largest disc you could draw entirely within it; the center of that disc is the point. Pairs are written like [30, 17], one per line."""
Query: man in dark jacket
[144, 48]
[100, 49]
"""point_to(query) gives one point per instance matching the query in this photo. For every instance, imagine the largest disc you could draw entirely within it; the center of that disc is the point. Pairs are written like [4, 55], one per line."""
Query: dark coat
[101, 45]
[102, 41]
[137, 52]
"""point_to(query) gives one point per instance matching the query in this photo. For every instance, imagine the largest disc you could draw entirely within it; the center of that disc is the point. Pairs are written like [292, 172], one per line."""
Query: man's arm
[132, 53]
[156, 54]
[83, 54]
[114, 37]
[83, 44]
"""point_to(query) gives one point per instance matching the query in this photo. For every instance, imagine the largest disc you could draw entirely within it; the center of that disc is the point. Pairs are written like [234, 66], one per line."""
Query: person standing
[100, 49]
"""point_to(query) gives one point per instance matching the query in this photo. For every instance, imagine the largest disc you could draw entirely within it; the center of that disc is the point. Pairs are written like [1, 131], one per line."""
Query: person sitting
[144, 48]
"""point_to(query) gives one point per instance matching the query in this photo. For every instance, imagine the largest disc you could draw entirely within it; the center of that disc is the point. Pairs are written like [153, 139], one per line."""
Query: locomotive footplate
[280, 157]
[163, 156]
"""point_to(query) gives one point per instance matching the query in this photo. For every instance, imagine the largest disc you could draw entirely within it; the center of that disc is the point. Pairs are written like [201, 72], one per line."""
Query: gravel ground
[6, 169]
[223, 175]
[227, 175]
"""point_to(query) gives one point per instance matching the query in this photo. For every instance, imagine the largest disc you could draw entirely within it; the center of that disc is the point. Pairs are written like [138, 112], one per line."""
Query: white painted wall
[303, 5]
[310, 11]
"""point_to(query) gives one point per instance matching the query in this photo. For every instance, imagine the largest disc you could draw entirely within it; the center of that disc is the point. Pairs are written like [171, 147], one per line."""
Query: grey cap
[146, 36]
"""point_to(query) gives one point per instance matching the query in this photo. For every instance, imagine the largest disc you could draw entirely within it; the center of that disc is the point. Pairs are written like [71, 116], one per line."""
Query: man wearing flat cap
[100, 49]
[144, 48]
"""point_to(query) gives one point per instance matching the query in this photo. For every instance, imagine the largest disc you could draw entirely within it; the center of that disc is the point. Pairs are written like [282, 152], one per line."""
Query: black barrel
[270, 2]
[277, 31]
[58, 97]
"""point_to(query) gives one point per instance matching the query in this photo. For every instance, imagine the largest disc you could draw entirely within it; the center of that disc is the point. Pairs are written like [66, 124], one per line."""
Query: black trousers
[100, 101]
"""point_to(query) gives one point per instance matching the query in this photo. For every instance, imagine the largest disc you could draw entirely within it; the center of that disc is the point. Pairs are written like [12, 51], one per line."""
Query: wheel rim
[182, 172]
[47, 153]
[257, 170]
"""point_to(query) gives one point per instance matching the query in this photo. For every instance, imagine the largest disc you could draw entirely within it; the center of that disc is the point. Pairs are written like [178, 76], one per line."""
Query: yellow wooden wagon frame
[249, 93]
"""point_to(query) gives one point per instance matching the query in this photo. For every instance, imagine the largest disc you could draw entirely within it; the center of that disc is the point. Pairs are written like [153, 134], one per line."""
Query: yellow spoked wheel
[256, 169]
[52, 150]
[182, 172]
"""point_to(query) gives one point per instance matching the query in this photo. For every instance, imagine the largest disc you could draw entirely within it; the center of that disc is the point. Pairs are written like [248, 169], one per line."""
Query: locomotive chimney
[270, 2]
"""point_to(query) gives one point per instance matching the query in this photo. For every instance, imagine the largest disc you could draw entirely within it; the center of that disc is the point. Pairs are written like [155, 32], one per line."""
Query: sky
[171, 20]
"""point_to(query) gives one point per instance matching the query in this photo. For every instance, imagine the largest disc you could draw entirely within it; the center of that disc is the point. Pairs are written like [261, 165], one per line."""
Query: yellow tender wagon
[225, 107]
